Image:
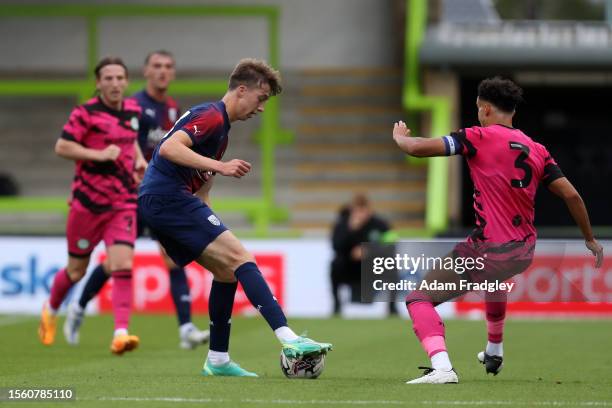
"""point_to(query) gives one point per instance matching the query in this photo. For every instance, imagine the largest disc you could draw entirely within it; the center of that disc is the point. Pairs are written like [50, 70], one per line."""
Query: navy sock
[93, 286]
[220, 304]
[180, 294]
[259, 294]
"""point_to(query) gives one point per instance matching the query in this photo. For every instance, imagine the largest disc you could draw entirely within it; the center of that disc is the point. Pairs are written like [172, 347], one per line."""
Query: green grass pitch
[548, 363]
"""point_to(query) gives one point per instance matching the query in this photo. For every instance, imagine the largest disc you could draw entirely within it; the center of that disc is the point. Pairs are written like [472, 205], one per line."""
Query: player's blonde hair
[253, 72]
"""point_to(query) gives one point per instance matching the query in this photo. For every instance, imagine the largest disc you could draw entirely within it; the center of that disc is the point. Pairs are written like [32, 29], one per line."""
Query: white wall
[27, 267]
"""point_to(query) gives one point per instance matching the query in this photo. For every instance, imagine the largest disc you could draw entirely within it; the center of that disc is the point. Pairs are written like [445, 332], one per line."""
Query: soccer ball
[310, 366]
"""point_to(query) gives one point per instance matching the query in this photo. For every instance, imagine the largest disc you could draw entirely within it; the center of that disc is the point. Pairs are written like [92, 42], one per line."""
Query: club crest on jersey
[172, 114]
[83, 243]
[214, 220]
[134, 123]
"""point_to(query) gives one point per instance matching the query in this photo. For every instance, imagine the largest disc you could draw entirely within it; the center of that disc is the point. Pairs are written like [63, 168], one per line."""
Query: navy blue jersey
[207, 125]
[156, 120]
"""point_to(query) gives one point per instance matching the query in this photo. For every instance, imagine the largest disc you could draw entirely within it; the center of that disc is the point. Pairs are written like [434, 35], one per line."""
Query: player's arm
[204, 192]
[140, 164]
[418, 146]
[70, 145]
[72, 150]
[566, 191]
[176, 148]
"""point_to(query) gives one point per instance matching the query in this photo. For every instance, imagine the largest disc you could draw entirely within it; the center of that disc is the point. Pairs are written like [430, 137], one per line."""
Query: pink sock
[122, 297]
[61, 285]
[496, 315]
[428, 326]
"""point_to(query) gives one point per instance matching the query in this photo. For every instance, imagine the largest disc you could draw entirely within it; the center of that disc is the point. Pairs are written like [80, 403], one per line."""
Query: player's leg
[119, 238]
[75, 313]
[336, 272]
[120, 264]
[228, 259]
[94, 284]
[495, 305]
[63, 281]
[492, 357]
[220, 304]
[189, 335]
[189, 230]
[82, 233]
[429, 328]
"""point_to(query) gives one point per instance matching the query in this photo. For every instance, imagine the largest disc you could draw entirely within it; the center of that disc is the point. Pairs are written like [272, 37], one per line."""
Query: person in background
[357, 223]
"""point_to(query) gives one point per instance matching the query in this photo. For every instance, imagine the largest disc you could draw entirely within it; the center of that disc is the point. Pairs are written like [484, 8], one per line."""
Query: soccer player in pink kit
[159, 112]
[506, 167]
[101, 137]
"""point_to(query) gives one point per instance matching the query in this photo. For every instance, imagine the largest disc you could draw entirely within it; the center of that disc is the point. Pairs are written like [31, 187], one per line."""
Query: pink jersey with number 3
[506, 167]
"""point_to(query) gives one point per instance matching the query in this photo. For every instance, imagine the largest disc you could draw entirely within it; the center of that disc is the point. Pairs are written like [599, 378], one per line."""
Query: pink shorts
[501, 261]
[85, 229]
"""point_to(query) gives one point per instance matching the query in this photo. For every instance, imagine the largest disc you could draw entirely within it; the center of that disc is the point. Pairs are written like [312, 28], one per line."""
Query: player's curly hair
[253, 72]
[503, 93]
[109, 61]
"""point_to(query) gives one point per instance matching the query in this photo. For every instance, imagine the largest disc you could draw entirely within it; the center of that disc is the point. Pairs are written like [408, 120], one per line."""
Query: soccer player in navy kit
[185, 162]
[159, 112]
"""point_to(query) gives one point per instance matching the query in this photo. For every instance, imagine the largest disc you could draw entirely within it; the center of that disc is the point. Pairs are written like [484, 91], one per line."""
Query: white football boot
[72, 325]
[193, 337]
[433, 376]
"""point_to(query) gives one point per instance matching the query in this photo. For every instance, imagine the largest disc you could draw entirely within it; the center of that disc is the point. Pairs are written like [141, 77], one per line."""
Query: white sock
[495, 349]
[77, 308]
[440, 361]
[121, 332]
[185, 328]
[284, 334]
[218, 358]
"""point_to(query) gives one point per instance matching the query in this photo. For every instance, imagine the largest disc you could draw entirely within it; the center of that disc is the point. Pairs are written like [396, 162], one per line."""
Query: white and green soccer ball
[310, 366]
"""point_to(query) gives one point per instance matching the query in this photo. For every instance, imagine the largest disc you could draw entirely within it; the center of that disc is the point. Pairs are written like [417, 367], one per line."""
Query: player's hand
[110, 153]
[358, 218]
[357, 253]
[235, 168]
[597, 250]
[139, 169]
[400, 131]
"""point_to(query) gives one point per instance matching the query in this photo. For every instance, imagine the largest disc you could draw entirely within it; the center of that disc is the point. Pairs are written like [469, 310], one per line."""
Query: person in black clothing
[356, 224]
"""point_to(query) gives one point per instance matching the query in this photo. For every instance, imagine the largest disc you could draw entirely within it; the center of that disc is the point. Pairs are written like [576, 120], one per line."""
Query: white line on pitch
[354, 402]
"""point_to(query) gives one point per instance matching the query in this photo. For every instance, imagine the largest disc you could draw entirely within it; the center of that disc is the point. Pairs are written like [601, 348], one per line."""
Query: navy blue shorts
[183, 224]
[143, 230]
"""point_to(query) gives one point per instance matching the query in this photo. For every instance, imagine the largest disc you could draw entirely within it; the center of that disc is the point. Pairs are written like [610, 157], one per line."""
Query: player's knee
[225, 275]
[237, 257]
[119, 264]
[76, 273]
[234, 260]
